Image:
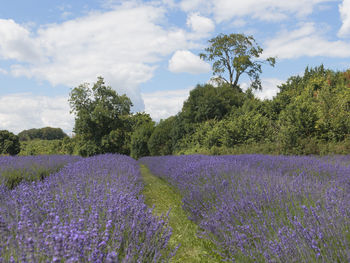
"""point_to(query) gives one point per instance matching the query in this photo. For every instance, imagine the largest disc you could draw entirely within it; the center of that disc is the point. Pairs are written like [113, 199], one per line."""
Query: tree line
[309, 115]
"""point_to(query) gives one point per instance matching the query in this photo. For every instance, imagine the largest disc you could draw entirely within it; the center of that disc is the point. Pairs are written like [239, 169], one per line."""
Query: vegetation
[9, 143]
[160, 195]
[263, 208]
[309, 115]
[90, 211]
[237, 54]
[47, 133]
[14, 170]
[102, 122]
[44, 147]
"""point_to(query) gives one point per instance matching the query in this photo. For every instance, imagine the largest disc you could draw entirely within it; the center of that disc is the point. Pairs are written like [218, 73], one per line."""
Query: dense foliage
[46, 147]
[9, 143]
[90, 211]
[258, 208]
[46, 133]
[101, 118]
[310, 115]
[104, 123]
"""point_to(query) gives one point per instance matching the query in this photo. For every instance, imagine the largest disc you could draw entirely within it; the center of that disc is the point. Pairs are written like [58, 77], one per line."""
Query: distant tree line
[45, 140]
[46, 133]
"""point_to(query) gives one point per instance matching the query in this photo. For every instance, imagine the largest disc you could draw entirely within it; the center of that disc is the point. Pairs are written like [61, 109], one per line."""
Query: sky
[149, 50]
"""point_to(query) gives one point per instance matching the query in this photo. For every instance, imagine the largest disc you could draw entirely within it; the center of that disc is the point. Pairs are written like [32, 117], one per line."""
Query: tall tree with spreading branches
[236, 54]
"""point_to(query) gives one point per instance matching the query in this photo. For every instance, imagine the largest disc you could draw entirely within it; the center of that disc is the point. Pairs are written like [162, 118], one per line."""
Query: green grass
[162, 196]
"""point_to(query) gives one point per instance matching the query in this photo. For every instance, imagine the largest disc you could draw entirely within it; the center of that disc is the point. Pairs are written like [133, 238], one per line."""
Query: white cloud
[269, 88]
[307, 40]
[344, 10]
[16, 43]
[25, 111]
[191, 5]
[267, 10]
[114, 44]
[163, 104]
[200, 24]
[186, 61]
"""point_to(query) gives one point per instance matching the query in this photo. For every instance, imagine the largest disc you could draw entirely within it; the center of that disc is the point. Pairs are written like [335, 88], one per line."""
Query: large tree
[100, 117]
[237, 54]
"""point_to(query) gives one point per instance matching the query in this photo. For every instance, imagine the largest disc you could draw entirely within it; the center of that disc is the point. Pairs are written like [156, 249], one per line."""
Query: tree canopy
[100, 118]
[208, 102]
[237, 54]
[9, 143]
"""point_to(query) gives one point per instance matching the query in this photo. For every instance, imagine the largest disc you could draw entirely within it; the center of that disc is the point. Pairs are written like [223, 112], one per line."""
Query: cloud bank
[264, 10]
[25, 111]
[123, 45]
[308, 41]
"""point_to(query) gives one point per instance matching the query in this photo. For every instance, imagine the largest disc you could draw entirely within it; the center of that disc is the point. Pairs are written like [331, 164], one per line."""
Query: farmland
[194, 208]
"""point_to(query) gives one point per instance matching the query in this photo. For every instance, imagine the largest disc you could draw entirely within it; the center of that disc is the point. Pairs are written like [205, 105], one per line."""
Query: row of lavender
[259, 208]
[14, 170]
[90, 211]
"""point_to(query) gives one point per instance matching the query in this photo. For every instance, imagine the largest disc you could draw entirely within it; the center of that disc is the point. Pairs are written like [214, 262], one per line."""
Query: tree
[237, 54]
[101, 117]
[207, 102]
[9, 143]
[142, 126]
[160, 142]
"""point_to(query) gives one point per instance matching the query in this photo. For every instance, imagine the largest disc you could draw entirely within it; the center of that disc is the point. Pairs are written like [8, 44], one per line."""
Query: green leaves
[235, 54]
[207, 102]
[143, 127]
[101, 118]
[9, 143]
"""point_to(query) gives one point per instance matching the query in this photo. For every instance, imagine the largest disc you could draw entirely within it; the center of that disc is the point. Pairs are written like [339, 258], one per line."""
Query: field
[195, 208]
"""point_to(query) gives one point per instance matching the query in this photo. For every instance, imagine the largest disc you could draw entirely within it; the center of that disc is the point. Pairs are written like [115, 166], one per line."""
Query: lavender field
[258, 208]
[14, 170]
[89, 211]
[251, 208]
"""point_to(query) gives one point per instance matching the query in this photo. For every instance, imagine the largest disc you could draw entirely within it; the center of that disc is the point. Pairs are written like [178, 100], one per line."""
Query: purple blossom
[91, 210]
[265, 208]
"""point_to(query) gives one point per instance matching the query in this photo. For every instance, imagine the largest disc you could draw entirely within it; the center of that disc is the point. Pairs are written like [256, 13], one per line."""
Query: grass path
[159, 193]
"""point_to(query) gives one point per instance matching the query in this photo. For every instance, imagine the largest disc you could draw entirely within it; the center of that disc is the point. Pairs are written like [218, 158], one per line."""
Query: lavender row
[13, 170]
[90, 211]
[258, 208]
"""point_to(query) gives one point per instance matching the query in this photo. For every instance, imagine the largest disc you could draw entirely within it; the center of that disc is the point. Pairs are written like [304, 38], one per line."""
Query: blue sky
[149, 49]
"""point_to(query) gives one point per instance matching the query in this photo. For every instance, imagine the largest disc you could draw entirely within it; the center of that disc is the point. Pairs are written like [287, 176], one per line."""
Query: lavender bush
[258, 208]
[90, 211]
[30, 168]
